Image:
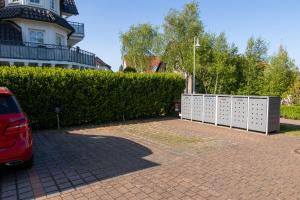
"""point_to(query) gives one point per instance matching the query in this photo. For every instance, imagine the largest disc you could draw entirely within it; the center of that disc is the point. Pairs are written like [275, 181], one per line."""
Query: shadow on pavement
[66, 161]
[286, 128]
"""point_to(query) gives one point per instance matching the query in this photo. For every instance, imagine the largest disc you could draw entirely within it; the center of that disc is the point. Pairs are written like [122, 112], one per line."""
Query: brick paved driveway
[169, 159]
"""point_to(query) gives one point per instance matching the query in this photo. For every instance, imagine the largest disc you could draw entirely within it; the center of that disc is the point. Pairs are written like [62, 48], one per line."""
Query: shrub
[290, 112]
[90, 97]
[129, 70]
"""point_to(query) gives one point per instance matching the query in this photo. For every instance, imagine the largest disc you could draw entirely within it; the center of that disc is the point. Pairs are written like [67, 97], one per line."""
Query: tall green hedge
[290, 112]
[89, 97]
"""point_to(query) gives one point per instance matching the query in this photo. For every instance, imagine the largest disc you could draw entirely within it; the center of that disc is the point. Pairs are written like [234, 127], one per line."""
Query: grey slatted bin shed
[261, 114]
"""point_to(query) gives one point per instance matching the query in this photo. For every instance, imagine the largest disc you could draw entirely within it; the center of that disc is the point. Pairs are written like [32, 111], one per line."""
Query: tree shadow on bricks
[68, 161]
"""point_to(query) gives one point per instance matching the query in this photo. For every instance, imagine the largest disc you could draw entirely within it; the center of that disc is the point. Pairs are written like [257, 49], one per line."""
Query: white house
[37, 33]
[101, 65]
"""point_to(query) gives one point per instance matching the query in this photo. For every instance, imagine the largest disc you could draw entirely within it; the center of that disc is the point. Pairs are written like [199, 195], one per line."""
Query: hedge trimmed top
[90, 96]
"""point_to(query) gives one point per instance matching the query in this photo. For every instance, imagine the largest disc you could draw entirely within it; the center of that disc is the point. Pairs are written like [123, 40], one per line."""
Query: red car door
[11, 118]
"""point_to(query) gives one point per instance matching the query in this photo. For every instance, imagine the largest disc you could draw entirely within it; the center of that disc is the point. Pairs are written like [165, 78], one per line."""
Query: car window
[8, 105]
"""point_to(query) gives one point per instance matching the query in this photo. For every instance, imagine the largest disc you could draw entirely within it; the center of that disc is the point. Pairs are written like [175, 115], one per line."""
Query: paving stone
[10, 198]
[157, 160]
[51, 189]
[64, 186]
[25, 189]
[8, 193]
[27, 195]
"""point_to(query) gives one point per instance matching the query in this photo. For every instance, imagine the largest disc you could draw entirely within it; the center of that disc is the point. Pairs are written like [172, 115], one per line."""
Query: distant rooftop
[66, 6]
[100, 62]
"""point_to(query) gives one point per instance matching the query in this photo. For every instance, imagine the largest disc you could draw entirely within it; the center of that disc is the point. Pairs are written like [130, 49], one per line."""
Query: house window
[59, 39]
[36, 36]
[35, 1]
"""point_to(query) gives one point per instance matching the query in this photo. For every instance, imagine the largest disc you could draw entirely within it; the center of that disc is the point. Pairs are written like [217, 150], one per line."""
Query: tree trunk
[217, 82]
[135, 64]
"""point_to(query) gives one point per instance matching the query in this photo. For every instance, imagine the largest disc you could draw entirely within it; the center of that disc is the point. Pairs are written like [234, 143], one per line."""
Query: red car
[15, 132]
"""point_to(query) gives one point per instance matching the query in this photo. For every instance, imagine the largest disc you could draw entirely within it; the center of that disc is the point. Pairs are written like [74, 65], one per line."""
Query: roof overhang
[34, 13]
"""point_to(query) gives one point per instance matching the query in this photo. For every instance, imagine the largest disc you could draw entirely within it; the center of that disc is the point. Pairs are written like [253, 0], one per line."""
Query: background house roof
[68, 6]
[100, 62]
[34, 13]
[154, 64]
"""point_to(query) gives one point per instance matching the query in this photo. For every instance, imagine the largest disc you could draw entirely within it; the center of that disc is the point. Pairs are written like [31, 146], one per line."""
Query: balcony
[78, 35]
[45, 52]
[79, 28]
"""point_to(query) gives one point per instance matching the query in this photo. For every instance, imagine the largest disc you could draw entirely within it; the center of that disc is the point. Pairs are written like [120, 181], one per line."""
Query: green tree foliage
[180, 28]
[254, 66]
[216, 68]
[294, 90]
[280, 75]
[257, 49]
[90, 96]
[204, 62]
[138, 44]
[224, 65]
[220, 68]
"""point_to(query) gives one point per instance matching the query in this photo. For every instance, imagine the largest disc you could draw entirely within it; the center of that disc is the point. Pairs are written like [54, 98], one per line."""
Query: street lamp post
[196, 45]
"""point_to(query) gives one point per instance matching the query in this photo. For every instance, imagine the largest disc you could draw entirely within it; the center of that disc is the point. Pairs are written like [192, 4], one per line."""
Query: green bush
[90, 97]
[290, 112]
[129, 70]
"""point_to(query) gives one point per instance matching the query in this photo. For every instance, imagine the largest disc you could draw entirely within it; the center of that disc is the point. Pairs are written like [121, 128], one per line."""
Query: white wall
[49, 29]
[102, 68]
[43, 4]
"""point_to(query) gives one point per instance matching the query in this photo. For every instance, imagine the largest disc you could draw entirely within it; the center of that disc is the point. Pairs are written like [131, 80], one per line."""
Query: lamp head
[197, 45]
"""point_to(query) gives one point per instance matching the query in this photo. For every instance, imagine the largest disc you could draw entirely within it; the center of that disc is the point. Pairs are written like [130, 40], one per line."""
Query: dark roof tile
[34, 13]
[68, 6]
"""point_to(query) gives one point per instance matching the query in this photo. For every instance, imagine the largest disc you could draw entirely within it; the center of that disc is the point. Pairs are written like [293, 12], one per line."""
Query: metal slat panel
[274, 114]
[224, 110]
[210, 109]
[186, 107]
[198, 108]
[239, 112]
[258, 114]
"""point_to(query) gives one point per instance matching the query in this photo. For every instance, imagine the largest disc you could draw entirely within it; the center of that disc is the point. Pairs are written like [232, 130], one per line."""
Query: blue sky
[276, 21]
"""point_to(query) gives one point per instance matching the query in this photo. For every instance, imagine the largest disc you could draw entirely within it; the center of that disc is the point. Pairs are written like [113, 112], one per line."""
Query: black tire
[28, 164]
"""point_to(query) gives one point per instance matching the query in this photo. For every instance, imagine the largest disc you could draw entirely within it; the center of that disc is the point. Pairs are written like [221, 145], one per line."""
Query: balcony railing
[45, 52]
[79, 28]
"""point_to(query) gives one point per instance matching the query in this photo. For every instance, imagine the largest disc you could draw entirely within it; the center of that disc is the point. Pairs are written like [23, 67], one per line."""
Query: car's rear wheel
[27, 164]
